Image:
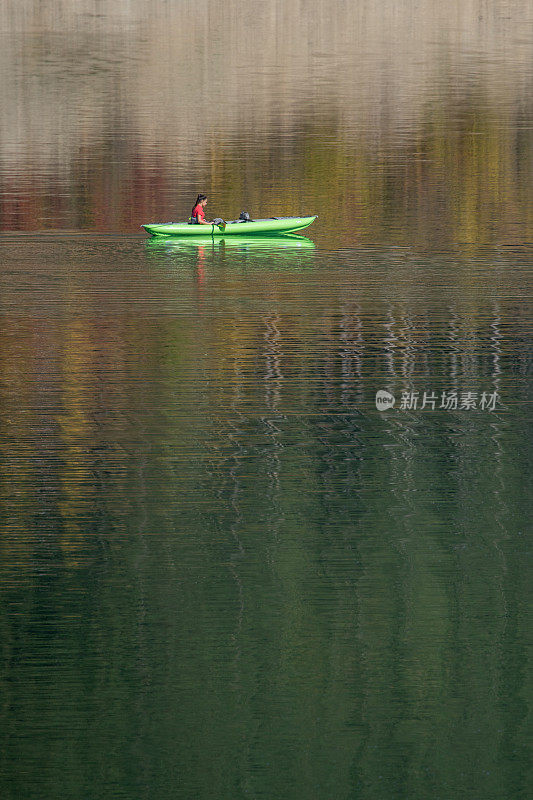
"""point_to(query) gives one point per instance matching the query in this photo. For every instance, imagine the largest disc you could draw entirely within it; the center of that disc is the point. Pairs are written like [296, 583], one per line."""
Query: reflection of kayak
[235, 228]
[287, 242]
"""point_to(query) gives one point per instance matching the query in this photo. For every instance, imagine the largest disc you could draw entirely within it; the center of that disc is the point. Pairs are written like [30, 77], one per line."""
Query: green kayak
[235, 228]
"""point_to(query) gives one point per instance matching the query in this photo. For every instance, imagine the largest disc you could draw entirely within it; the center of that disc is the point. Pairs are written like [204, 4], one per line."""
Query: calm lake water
[224, 572]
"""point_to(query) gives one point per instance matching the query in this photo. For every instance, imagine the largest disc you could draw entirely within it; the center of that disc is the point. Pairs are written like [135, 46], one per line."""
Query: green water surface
[224, 572]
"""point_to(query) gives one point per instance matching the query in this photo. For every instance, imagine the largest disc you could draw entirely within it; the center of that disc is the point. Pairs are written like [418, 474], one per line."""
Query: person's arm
[201, 220]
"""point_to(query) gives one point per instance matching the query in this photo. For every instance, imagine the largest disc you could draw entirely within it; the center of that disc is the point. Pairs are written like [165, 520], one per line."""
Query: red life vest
[198, 213]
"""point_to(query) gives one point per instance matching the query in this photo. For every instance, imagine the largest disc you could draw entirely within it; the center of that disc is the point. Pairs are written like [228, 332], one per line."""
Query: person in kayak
[197, 213]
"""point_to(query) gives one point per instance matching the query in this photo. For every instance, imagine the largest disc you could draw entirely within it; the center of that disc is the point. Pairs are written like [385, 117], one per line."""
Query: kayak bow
[236, 228]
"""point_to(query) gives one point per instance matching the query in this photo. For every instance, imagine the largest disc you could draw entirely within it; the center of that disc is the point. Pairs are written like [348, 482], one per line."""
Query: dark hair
[199, 199]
